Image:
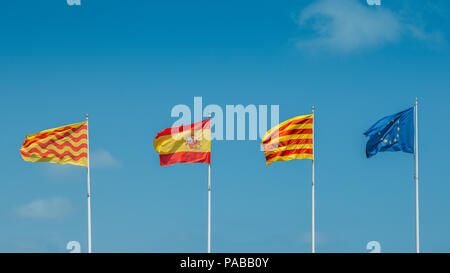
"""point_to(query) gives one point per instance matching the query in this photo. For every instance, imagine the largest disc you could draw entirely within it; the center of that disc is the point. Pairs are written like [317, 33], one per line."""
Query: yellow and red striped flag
[184, 144]
[62, 145]
[292, 139]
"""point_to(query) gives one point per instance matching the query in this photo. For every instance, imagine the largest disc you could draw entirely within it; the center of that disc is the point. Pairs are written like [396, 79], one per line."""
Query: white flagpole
[88, 189]
[416, 175]
[209, 208]
[209, 199]
[313, 250]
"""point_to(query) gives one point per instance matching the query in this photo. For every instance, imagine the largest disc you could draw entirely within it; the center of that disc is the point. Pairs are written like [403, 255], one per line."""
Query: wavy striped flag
[292, 139]
[184, 144]
[63, 145]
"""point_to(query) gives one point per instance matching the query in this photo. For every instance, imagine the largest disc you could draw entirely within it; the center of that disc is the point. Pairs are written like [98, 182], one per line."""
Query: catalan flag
[63, 145]
[184, 144]
[292, 139]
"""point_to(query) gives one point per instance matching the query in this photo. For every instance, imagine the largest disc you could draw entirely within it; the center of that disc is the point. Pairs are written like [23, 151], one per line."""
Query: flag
[392, 133]
[63, 145]
[184, 144]
[292, 139]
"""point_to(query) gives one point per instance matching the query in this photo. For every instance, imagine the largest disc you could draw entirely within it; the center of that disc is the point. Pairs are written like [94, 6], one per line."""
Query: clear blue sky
[127, 63]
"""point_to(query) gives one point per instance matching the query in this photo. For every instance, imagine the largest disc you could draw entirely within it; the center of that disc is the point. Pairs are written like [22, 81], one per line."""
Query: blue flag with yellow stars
[392, 133]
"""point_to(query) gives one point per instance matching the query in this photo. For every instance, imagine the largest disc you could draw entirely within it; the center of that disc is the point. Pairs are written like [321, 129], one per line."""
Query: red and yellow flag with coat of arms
[184, 144]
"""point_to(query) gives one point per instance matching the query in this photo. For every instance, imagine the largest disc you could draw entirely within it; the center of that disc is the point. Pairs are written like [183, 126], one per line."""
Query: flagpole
[416, 175]
[88, 189]
[209, 198]
[209, 208]
[313, 250]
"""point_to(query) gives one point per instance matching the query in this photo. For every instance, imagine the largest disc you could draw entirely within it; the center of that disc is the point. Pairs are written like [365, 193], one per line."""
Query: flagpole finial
[417, 100]
[87, 116]
[313, 108]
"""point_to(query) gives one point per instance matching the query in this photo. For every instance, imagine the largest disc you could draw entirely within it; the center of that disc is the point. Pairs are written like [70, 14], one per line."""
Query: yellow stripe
[75, 125]
[290, 147]
[75, 135]
[59, 151]
[289, 157]
[59, 142]
[177, 142]
[65, 160]
[293, 127]
[298, 126]
[289, 137]
[284, 123]
[182, 136]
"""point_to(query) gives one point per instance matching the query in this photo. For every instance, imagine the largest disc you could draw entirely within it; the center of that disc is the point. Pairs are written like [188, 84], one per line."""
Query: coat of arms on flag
[184, 144]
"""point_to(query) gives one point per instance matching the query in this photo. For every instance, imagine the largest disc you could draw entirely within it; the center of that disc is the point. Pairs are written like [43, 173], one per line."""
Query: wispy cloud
[50, 208]
[103, 158]
[349, 25]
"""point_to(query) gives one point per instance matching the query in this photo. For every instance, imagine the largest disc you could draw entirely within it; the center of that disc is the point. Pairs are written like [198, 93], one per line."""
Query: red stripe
[185, 157]
[289, 132]
[205, 124]
[296, 132]
[75, 130]
[274, 133]
[61, 146]
[67, 130]
[297, 121]
[290, 152]
[275, 145]
[58, 137]
[53, 152]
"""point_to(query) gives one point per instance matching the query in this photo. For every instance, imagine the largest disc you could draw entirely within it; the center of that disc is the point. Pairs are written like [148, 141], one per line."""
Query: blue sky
[128, 63]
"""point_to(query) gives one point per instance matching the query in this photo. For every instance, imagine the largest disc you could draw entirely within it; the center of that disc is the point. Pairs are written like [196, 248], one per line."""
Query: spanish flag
[63, 145]
[184, 144]
[292, 139]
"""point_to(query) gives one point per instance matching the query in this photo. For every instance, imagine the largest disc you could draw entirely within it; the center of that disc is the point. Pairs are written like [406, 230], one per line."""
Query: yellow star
[398, 128]
[385, 141]
[395, 140]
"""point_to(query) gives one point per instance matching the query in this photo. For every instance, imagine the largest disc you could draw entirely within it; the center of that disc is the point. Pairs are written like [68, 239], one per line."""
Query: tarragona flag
[292, 139]
[62, 145]
[184, 144]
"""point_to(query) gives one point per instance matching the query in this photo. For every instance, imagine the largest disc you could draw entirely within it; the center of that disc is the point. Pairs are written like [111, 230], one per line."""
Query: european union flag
[392, 133]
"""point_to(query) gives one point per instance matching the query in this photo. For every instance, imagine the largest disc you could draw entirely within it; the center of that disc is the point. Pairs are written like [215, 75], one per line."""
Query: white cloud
[103, 158]
[348, 25]
[45, 208]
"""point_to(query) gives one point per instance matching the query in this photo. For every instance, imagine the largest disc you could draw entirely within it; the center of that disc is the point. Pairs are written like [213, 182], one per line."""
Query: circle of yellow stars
[397, 136]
